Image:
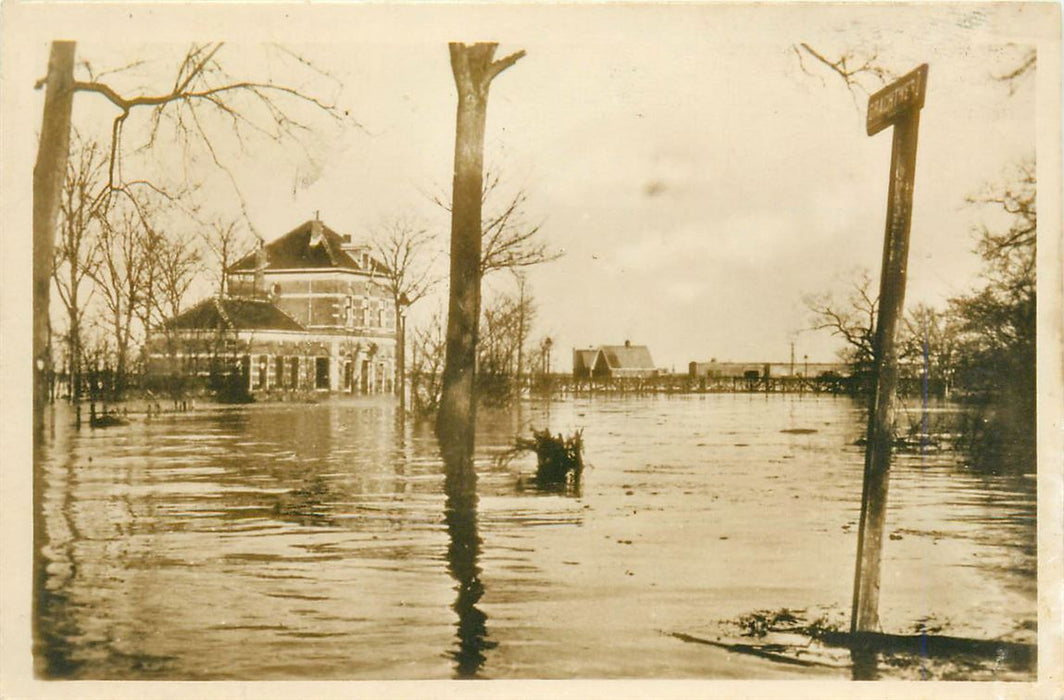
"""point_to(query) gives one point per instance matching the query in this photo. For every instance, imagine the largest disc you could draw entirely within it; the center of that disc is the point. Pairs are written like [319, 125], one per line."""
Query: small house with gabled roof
[308, 310]
[613, 362]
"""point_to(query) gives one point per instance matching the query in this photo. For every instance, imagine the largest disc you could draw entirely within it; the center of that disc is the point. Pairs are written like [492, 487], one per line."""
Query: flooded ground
[309, 541]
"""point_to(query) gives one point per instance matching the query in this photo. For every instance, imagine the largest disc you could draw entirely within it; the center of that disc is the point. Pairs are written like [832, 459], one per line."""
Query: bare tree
[1010, 253]
[76, 251]
[474, 69]
[201, 90]
[506, 321]
[426, 366]
[852, 318]
[508, 240]
[121, 278]
[526, 312]
[178, 264]
[998, 322]
[929, 339]
[150, 245]
[404, 248]
[228, 243]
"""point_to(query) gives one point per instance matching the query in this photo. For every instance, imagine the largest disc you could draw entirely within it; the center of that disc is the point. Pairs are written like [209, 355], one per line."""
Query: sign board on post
[897, 105]
[903, 96]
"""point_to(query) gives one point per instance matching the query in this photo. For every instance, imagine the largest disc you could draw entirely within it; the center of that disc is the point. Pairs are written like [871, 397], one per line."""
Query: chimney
[260, 269]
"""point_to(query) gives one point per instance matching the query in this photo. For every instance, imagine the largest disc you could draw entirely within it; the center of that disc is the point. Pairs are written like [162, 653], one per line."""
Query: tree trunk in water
[473, 70]
[48, 173]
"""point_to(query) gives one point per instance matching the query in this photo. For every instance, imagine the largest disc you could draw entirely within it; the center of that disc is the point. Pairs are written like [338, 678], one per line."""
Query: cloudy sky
[698, 180]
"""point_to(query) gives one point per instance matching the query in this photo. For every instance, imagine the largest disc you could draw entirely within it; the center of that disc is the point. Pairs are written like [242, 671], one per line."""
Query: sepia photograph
[510, 342]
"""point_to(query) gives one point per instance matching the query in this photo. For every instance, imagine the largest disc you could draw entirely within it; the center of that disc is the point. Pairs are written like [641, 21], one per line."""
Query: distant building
[310, 310]
[613, 362]
[760, 370]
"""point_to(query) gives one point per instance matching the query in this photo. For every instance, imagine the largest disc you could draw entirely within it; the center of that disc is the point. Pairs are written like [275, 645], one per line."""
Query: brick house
[308, 311]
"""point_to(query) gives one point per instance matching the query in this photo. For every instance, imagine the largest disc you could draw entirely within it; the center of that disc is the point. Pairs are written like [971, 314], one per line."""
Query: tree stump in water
[559, 459]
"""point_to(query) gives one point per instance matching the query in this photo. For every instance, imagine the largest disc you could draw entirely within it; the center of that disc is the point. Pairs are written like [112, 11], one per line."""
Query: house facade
[310, 310]
[613, 362]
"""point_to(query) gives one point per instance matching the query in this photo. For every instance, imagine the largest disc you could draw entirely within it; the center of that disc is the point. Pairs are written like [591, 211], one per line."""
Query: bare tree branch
[853, 318]
[403, 246]
[508, 242]
[504, 63]
[201, 82]
[861, 73]
[1017, 75]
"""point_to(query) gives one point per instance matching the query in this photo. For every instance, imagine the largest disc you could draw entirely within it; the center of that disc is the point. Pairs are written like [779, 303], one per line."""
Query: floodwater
[283, 541]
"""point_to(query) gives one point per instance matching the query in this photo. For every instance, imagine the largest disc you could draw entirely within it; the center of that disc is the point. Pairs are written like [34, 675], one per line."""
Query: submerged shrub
[559, 459]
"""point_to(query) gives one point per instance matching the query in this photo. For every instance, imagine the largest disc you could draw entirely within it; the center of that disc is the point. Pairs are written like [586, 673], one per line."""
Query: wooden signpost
[899, 105]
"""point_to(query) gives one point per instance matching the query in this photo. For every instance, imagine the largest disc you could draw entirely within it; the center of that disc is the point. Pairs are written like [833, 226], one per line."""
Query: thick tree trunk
[48, 173]
[473, 70]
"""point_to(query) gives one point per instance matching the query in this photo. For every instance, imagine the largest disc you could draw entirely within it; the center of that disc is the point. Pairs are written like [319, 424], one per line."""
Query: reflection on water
[330, 541]
[463, 550]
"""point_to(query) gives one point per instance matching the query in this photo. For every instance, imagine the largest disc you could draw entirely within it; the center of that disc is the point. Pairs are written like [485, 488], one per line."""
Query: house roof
[234, 313]
[300, 248]
[615, 357]
[585, 358]
[627, 356]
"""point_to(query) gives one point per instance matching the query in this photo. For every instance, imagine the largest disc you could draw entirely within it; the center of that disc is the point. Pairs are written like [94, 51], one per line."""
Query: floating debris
[559, 459]
[791, 637]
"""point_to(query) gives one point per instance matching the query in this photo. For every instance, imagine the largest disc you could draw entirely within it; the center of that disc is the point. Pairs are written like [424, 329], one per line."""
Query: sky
[698, 181]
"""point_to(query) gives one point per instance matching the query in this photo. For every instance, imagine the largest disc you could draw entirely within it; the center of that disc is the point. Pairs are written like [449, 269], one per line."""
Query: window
[321, 373]
[349, 311]
[258, 378]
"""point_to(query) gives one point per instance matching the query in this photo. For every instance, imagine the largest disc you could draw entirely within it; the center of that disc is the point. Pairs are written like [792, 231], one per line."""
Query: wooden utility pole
[53, 151]
[899, 105]
[474, 69]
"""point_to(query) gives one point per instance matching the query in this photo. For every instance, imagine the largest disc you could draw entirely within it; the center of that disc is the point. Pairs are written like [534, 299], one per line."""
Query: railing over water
[686, 384]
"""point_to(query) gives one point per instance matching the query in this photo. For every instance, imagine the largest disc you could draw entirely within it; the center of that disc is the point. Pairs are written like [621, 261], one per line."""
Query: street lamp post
[400, 355]
[547, 344]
